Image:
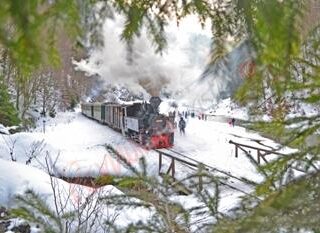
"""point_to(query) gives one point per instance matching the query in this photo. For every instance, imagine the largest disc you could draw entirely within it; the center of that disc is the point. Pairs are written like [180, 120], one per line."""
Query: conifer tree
[8, 114]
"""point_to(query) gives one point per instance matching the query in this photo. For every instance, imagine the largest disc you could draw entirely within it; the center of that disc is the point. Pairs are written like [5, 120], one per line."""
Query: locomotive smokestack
[155, 102]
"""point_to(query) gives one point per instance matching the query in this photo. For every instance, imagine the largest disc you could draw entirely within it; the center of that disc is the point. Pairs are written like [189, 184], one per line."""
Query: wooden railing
[261, 153]
[172, 167]
[196, 165]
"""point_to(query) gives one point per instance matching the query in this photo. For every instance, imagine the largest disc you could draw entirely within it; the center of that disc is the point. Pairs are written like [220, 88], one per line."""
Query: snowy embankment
[3, 130]
[16, 178]
[74, 146]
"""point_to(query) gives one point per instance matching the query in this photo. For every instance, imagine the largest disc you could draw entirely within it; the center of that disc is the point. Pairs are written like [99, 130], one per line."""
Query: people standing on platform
[232, 122]
[182, 125]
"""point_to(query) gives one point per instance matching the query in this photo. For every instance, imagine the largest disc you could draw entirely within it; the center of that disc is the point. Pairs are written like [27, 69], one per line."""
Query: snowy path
[208, 142]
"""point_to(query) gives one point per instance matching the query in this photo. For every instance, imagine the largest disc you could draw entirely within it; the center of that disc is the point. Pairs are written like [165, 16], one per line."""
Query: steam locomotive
[140, 121]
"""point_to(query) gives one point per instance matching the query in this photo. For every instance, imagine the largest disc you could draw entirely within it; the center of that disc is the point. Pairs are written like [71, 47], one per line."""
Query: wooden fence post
[173, 168]
[160, 162]
[200, 183]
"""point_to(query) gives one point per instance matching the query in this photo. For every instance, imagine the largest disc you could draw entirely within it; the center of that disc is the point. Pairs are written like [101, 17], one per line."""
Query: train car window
[134, 110]
[115, 115]
[159, 123]
[118, 117]
[109, 115]
[103, 116]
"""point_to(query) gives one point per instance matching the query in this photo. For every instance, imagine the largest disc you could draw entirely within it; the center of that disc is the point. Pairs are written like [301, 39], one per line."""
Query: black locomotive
[140, 121]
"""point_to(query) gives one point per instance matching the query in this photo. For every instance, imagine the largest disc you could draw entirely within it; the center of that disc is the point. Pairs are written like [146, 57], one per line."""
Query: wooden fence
[195, 165]
[172, 167]
[260, 152]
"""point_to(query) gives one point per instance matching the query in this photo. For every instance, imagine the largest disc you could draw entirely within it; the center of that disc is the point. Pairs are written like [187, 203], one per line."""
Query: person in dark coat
[182, 125]
[232, 122]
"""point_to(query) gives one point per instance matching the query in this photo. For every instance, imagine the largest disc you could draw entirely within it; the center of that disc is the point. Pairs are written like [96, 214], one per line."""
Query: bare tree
[35, 149]
[10, 143]
[78, 207]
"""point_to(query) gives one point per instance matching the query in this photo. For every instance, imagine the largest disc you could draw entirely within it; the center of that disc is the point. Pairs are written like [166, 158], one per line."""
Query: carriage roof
[111, 104]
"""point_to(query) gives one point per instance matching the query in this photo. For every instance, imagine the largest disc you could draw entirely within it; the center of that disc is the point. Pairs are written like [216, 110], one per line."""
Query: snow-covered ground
[3, 130]
[228, 108]
[75, 146]
[221, 111]
[16, 178]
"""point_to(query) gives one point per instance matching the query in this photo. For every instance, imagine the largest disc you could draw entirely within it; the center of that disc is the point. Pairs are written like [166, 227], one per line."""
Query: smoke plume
[180, 65]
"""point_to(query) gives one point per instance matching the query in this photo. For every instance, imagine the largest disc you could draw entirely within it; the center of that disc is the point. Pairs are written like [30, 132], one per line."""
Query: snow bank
[75, 144]
[229, 109]
[16, 178]
[3, 130]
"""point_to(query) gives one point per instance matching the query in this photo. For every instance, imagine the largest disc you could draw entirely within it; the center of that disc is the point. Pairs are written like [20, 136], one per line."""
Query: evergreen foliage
[8, 114]
[287, 72]
[293, 209]
[28, 29]
[34, 209]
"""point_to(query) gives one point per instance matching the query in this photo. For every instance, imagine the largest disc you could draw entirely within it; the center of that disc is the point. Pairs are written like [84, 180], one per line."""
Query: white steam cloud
[181, 64]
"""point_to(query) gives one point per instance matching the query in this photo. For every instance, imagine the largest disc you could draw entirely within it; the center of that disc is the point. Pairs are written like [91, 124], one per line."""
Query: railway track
[226, 179]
